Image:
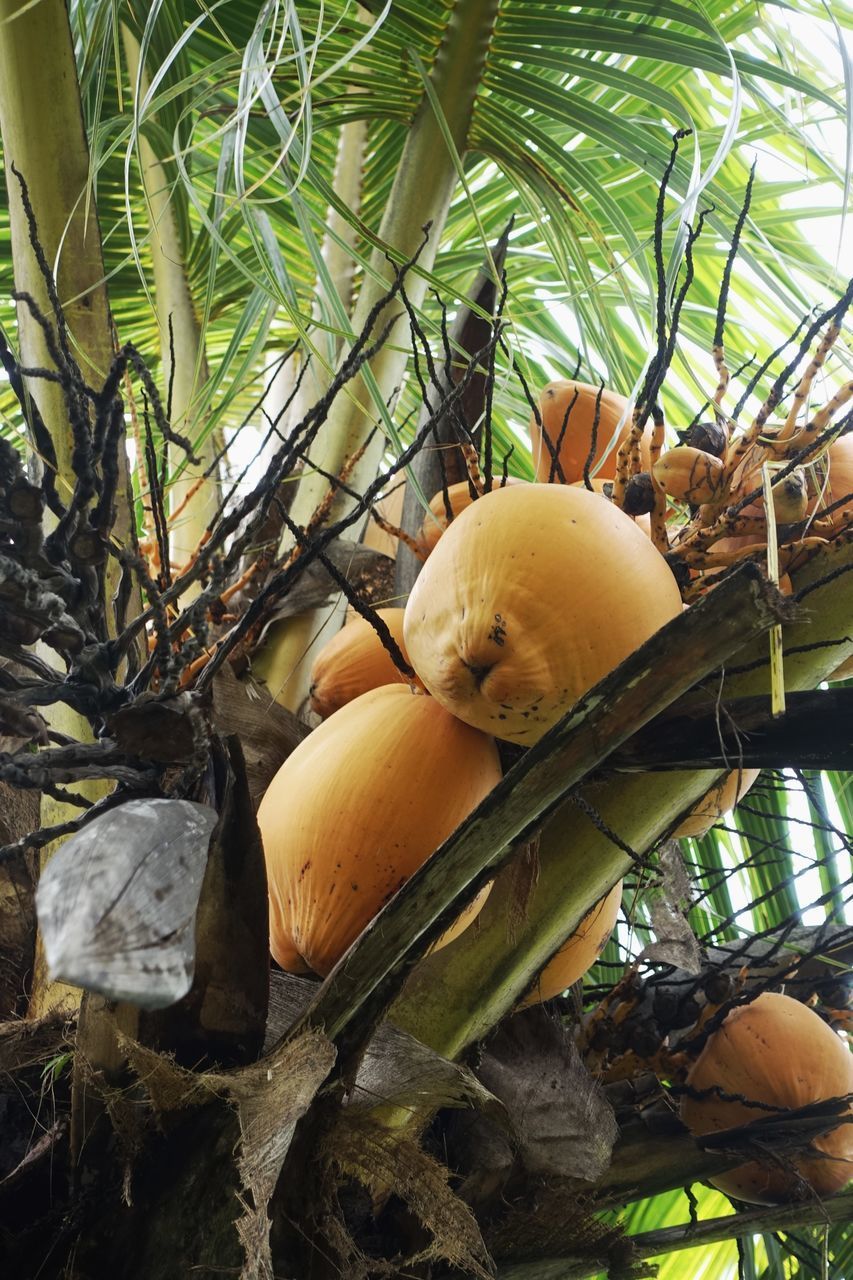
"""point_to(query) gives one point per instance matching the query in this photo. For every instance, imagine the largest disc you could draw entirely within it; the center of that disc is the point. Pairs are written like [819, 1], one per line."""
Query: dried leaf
[116, 904]
[267, 732]
[669, 902]
[222, 1017]
[396, 1070]
[562, 1121]
[316, 586]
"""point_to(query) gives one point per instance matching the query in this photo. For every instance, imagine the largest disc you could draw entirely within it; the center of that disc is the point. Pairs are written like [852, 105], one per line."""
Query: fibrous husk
[555, 1223]
[270, 1096]
[380, 1159]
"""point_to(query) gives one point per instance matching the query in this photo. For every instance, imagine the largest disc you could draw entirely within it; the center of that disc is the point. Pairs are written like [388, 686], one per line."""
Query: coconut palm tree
[258, 177]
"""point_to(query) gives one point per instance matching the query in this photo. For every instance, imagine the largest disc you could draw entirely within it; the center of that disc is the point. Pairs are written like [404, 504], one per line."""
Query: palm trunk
[182, 353]
[421, 194]
[44, 138]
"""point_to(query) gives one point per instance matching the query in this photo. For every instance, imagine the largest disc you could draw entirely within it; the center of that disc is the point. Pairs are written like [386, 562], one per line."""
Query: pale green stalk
[182, 352]
[457, 995]
[421, 194]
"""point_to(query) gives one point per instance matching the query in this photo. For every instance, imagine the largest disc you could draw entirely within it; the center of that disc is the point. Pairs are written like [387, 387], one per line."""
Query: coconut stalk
[415, 201]
[456, 996]
[369, 975]
[44, 138]
[194, 493]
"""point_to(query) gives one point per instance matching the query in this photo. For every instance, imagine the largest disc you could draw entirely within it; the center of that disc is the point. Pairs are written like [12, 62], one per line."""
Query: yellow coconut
[567, 410]
[777, 1052]
[459, 497]
[580, 952]
[717, 802]
[355, 660]
[531, 596]
[355, 810]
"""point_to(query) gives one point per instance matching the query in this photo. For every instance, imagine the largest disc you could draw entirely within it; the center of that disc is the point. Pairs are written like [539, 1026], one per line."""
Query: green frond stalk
[421, 194]
[44, 138]
[457, 995]
[193, 493]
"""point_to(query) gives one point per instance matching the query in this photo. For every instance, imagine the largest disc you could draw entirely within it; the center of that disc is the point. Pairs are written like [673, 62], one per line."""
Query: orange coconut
[580, 952]
[353, 661]
[839, 485]
[576, 440]
[532, 595]
[358, 806]
[459, 497]
[778, 1052]
[720, 800]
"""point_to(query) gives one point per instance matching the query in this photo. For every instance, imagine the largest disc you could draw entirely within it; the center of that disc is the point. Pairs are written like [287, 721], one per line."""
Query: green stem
[421, 194]
[456, 995]
[182, 351]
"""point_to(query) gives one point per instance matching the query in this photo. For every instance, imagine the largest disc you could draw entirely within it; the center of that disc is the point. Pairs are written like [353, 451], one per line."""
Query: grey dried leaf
[396, 1070]
[116, 904]
[562, 1121]
[668, 904]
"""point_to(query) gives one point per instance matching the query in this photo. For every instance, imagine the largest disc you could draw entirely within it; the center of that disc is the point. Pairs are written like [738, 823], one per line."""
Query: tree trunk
[44, 139]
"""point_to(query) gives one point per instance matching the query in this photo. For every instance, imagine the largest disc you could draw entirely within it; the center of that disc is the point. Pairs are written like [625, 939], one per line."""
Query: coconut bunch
[521, 607]
[523, 604]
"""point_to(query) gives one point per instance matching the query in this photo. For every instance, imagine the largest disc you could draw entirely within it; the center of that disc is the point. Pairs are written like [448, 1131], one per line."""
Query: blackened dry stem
[720, 325]
[762, 369]
[46, 835]
[282, 581]
[366, 611]
[561, 435]
[556, 468]
[593, 441]
[814, 732]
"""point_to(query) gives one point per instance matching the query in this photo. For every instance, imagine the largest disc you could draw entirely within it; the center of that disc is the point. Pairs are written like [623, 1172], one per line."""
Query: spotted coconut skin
[777, 1051]
[532, 595]
[353, 812]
